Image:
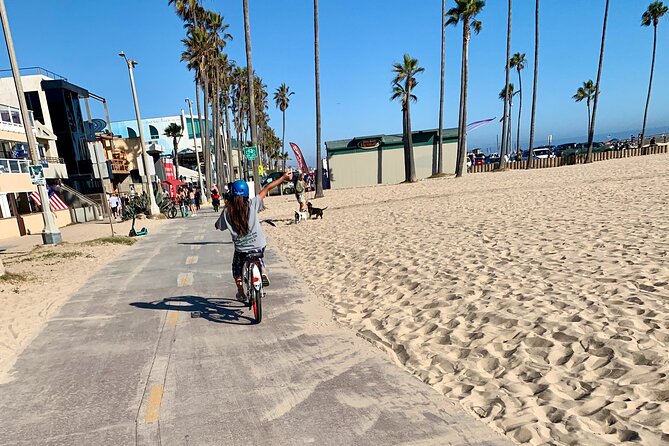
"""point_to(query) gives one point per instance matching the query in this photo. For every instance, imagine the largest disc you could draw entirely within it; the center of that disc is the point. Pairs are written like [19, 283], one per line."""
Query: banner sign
[301, 163]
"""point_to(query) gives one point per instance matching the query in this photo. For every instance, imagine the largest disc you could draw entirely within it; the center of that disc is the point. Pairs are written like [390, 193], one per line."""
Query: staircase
[82, 208]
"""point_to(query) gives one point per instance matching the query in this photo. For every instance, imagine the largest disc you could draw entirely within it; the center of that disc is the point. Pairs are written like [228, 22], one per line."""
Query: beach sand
[538, 299]
[49, 275]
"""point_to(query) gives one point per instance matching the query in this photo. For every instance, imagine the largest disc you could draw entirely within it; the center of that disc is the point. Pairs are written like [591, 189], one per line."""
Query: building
[379, 159]
[66, 136]
[160, 145]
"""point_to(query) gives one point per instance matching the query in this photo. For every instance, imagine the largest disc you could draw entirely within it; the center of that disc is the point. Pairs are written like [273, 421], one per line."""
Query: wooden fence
[575, 159]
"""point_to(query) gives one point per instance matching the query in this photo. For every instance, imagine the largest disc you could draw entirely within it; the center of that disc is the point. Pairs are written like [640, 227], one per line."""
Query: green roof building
[379, 159]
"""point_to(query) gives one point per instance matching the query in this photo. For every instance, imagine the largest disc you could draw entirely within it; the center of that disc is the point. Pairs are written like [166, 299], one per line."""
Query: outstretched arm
[286, 176]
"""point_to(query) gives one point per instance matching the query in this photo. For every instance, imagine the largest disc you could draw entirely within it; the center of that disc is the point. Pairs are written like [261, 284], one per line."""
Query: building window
[131, 133]
[16, 117]
[154, 132]
[189, 125]
[34, 104]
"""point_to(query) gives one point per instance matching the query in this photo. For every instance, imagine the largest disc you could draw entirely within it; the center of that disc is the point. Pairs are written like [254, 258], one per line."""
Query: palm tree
[174, 131]
[282, 100]
[400, 93]
[317, 72]
[464, 11]
[405, 72]
[651, 16]
[507, 92]
[536, 76]
[507, 113]
[591, 133]
[440, 155]
[250, 87]
[518, 62]
[586, 92]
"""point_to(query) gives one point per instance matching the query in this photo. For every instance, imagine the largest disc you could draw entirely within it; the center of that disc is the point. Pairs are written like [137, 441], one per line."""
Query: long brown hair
[238, 214]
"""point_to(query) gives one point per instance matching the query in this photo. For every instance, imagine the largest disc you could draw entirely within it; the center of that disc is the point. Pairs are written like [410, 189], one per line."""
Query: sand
[539, 300]
[46, 281]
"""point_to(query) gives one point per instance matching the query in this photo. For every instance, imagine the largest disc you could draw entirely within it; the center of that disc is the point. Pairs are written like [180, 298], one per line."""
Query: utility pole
[197, 155]
[50, 235]
[153, 207]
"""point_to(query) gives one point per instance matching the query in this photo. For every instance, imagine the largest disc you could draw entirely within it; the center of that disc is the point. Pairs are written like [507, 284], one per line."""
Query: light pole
[197, 155]
[50, 235]
[153, 207]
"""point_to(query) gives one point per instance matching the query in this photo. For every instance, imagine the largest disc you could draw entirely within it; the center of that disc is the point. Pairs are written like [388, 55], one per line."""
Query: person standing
[300, 194]
[198, 198]
[191, 201]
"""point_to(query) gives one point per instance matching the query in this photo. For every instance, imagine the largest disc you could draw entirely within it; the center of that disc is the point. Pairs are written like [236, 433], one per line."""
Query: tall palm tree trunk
[206, 150]
[589, 116]
[317, 71]
[591, 132]
[175, 143]
[507, 117]
[412, 165]
[440, 154]
[520, 108]
[650, 86]
[534, 88]
[251, 91]
[465, 84]
[462, 128]
[226, 117]
[217, 135]
[283, 141]
[199, 119]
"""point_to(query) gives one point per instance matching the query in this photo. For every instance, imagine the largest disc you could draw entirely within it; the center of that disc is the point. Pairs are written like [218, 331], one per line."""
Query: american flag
[57, 203]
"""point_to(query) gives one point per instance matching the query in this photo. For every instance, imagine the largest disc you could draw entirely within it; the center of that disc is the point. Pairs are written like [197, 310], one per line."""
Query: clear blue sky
[359, 42]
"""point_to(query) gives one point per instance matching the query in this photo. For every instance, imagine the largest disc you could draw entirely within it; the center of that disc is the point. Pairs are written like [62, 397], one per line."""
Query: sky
[359, 41]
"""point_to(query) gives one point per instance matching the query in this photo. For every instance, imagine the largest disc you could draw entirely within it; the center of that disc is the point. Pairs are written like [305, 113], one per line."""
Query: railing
[14, 166]
[27, 71]
[576, 159]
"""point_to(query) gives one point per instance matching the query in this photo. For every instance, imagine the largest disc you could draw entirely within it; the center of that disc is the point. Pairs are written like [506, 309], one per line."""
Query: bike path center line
[195, 247]
[198, 238]
[153, 405]
[172, 318]
[184, 279]
[191, 260]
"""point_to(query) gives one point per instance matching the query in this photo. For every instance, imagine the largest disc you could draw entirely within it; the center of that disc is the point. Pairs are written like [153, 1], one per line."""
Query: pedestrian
[652, 141]
[300, 192]
[215, 199]
[198, 198]
[191, 201]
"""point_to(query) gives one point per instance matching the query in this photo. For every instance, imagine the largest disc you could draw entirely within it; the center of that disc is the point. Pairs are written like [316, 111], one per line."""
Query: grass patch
[62, 255]
[13, 278]
[111, 241]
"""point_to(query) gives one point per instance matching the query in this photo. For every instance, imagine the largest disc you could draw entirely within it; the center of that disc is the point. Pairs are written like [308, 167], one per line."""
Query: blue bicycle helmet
[239, 189]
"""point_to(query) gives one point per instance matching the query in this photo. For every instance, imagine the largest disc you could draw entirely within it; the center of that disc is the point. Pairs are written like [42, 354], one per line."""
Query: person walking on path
[191, 201]
[300, 192]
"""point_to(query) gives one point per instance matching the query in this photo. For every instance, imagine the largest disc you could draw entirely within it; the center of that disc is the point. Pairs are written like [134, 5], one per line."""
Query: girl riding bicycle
[240, 217]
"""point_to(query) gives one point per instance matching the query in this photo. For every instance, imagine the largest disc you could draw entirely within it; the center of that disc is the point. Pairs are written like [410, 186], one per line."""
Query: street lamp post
[197, 155]
[50, 235]
[153, 208]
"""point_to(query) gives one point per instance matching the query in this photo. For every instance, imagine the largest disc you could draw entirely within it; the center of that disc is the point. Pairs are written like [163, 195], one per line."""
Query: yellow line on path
[191, 260]
[172, 318]
[198, 238]
[195, 247]
[185, 279]
[153, 405]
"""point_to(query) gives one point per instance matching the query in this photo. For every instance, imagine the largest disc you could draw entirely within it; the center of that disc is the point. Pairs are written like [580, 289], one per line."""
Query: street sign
[251, 153]
[260, 170]
[37, 175]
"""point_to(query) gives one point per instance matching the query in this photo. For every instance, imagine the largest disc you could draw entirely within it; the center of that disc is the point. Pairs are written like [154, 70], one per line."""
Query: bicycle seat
[254, 255]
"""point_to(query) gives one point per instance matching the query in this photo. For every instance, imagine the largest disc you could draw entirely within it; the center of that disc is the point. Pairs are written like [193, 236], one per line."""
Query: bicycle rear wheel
[172, 212]
[257, 305]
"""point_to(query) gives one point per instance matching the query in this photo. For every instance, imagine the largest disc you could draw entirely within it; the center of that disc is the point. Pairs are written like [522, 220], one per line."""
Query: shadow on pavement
[223, 311]
[205, 243]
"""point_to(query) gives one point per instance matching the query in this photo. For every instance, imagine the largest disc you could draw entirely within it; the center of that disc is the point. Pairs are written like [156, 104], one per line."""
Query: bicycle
[253, 283]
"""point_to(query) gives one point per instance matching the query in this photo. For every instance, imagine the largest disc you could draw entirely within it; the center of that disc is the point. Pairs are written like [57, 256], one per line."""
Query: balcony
[10, 119]
[54, 167]
[14, 176]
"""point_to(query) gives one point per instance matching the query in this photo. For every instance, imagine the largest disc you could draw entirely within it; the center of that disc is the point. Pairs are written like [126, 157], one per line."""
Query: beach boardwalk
[155, 350]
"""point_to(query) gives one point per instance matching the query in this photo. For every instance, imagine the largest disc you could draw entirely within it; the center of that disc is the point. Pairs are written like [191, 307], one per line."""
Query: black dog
[318, 212]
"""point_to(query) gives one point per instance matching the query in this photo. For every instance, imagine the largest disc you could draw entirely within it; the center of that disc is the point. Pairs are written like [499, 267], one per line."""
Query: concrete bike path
[155, 350]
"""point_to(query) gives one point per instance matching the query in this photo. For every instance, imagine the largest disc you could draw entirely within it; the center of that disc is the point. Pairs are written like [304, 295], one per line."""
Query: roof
[65, 85]
[420, 137]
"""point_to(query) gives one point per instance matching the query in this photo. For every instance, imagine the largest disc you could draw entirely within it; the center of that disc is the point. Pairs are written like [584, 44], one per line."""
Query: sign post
[251, 153]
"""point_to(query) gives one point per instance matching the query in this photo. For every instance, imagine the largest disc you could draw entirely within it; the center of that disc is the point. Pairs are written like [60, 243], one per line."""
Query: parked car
[286, 188]
[559, 150]
[543, 152]
[582, 149]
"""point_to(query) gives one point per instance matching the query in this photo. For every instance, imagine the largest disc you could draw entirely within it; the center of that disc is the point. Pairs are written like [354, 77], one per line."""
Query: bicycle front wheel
[172, 212]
